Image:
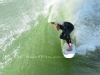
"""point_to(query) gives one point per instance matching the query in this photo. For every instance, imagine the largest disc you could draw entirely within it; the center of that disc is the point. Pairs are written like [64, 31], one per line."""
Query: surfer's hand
[51, 22]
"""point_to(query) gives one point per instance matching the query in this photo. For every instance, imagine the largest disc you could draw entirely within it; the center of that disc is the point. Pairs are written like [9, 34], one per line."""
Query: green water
[40, 54]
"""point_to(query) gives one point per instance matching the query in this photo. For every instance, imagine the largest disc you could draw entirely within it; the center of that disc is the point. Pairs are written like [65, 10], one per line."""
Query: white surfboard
[68, 54]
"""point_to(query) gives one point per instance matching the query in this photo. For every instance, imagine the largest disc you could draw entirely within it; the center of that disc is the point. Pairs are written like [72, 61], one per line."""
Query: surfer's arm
[51, 22]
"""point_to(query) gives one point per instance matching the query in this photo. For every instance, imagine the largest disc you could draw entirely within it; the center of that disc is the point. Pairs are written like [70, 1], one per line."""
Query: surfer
[66, 28]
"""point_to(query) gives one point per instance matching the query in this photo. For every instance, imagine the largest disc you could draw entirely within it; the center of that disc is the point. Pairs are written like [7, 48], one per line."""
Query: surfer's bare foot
[69, 49]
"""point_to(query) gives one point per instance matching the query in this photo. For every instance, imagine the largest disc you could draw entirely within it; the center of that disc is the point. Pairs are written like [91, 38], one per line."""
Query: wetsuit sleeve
[52, 22]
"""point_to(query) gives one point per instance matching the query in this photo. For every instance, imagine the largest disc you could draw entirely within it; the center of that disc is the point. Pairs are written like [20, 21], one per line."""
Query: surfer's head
[57, 27]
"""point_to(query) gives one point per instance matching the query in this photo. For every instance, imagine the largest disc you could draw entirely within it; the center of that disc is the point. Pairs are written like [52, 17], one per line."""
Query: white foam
[5, 1]
[14, 33]
[2, 1]
[8, 57]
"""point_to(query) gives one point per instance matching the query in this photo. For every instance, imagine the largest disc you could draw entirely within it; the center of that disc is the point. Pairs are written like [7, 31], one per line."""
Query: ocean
[29, 45]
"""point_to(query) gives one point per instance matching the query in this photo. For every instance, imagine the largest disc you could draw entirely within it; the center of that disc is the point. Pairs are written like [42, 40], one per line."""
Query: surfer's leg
[62, 35]
[70, 47]
[69, 44]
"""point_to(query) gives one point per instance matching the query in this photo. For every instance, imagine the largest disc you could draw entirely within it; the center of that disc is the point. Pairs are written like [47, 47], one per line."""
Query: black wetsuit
[66, 28]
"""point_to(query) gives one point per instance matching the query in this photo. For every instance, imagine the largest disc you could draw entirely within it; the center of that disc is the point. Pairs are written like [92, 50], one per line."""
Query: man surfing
[66, 28]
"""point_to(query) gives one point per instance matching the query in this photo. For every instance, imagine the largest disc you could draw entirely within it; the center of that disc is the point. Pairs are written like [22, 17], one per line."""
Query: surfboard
[68, 54]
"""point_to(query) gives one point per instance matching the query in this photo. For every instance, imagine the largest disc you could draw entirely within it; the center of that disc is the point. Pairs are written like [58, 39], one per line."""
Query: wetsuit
[66, 28]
